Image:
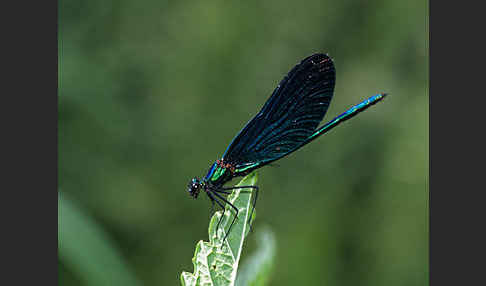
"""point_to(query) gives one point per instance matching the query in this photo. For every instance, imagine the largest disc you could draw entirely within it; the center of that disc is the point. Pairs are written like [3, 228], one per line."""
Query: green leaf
[257, 268]
[216, 262]
[85, 247]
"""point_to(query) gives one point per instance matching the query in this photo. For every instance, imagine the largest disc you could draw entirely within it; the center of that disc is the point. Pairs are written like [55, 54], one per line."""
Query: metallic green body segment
[246, 168]
[217, 173]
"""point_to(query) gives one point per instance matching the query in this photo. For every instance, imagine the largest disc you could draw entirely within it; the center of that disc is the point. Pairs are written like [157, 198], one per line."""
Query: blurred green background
[151, 93]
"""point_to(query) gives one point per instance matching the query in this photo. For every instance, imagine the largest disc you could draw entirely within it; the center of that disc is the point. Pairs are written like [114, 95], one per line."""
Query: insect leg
[253, 208]
[213, 199]
[223, 192]
[254, 198]
[212, 205]
[238, 187]
[236, 209]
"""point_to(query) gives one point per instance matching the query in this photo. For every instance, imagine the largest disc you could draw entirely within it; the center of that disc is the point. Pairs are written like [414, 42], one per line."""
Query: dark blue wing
[288, 118]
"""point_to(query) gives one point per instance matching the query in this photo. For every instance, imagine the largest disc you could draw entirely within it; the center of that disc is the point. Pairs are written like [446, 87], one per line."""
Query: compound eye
[191, 187]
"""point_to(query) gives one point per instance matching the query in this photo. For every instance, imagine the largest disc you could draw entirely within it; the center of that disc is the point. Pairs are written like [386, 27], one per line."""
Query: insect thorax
[220, 173]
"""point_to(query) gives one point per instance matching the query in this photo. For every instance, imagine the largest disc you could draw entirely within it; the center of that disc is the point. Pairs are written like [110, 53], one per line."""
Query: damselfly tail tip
[377, 98]
[381, 96]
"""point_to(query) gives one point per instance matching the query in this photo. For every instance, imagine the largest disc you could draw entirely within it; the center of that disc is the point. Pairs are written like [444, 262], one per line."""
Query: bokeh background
[151, 93]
